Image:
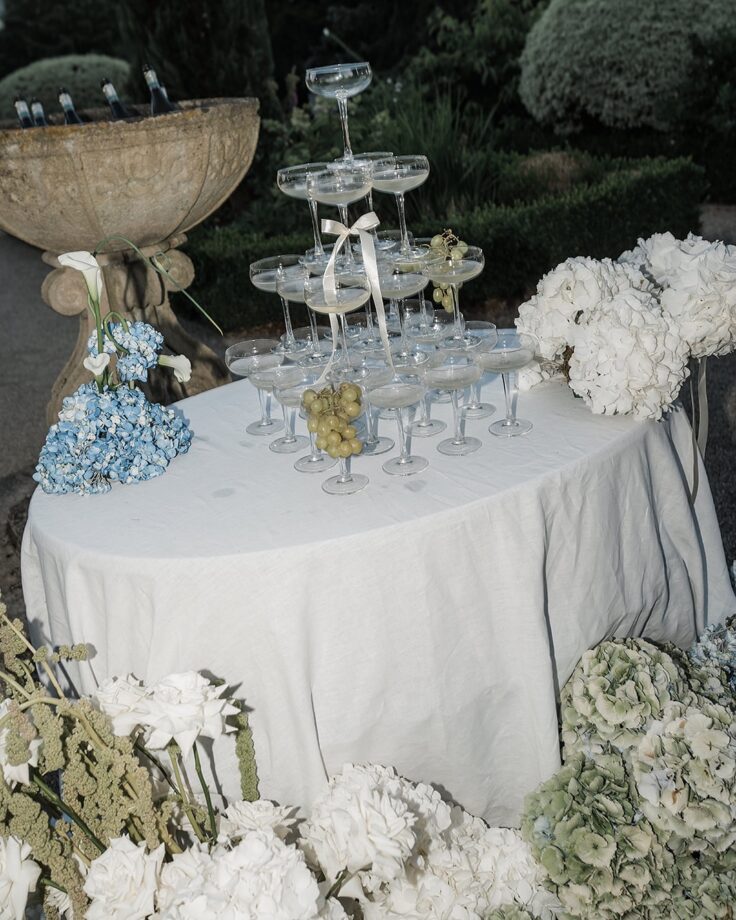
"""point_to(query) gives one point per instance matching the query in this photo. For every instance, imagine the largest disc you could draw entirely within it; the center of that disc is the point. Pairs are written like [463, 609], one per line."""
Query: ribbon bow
[361, 228]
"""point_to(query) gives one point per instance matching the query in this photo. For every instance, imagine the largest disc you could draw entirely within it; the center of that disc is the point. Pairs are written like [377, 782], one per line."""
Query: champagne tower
[68, 186]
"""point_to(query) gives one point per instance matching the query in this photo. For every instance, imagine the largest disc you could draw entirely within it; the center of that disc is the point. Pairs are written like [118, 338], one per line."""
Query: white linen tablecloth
[427, 622]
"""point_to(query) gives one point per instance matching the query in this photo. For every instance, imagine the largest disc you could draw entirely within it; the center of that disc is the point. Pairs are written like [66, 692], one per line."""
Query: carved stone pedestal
[138, 292]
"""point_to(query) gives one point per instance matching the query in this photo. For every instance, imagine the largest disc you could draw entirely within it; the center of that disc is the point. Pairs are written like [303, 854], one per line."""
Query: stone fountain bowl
[68, 187]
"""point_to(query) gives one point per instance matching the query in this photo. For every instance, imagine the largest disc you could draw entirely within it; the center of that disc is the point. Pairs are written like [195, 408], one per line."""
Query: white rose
[123, 700]
[122, 881]
[183, 707]
[241, 817]
[84, 262]
[18, 877]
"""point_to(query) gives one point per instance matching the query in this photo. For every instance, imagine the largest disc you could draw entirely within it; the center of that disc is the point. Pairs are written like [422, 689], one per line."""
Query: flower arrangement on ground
[107, 430]
[622, 332]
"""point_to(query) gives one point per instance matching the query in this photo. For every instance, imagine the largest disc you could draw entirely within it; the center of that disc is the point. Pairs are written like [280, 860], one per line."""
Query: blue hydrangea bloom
[717, 646]
[115, 435]
[141, 341]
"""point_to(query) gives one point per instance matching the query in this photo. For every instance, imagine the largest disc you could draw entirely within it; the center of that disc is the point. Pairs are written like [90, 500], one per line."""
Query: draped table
[427, 622]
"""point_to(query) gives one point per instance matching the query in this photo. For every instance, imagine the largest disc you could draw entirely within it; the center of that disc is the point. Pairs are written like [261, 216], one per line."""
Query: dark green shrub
[622, 63]
[201, 50]
[79, 73]
[37, 29]
[601, 217]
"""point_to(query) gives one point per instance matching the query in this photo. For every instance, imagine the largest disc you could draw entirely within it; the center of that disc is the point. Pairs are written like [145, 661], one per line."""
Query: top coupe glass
[340, 81]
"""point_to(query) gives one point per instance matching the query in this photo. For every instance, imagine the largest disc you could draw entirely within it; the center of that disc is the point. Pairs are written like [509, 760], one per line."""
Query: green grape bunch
[453, 249]
[330, 416]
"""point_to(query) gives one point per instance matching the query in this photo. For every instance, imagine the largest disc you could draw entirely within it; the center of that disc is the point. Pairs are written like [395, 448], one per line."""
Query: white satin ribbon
[361, 228]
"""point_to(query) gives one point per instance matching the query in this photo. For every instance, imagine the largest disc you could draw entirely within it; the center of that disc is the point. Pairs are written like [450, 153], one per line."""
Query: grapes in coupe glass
[340, 82]
[332, 414]
[454, 263]
[512, 352]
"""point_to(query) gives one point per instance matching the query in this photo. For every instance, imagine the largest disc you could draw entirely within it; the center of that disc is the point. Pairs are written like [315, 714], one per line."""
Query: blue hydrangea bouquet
[107, 430]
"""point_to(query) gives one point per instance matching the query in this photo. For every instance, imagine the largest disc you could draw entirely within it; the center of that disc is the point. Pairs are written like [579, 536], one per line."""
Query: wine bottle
[160, 102]
[117, 109]
[67, 103]
[39, 116]
[23, 113]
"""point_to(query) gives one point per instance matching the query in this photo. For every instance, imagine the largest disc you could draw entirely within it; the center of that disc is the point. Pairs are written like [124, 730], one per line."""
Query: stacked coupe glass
[423, 356]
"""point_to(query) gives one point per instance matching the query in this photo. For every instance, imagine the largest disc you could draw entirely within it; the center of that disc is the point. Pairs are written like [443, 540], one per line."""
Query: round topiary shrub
[79, 73]
[621, 63]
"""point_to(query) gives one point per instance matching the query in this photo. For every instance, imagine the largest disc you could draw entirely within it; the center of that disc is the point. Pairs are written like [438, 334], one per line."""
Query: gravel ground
[34, 343]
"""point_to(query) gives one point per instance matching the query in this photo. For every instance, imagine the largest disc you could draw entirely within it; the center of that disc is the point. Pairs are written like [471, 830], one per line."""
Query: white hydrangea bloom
[698, 281]
[123, 700]
[628, 357]
[122, 882]
[567, 294]
[356, 826]
[259, 878]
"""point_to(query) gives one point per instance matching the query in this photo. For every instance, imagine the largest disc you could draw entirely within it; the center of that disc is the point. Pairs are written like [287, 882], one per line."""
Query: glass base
[318, 464]
[464, 342]
[379, 446]
[263, 428]
[442, 396]
[356, 482]
[453, 448]
[341, 374]
[314, 361]
[406, 467]
[427, 429]
[298, 348]
[289, 445]
[482, 410]
[506, 429]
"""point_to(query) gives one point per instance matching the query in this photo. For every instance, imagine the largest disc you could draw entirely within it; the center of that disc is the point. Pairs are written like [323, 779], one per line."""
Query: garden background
[554, 128]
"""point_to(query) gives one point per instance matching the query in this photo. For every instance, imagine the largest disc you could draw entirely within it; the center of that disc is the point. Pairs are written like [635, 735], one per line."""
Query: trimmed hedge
[521, 241]
[79, 73]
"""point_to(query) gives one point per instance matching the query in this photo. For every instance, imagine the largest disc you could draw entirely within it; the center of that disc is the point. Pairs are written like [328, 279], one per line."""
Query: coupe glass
[488, 336]
[396, 176]
[341, 185]
[264, 274]
[402, 391]
[454, 273]
[291, 395]
[426, 426]
[512, 352]
[340, 81]
[382, 243]
[374, 443]
[346, 482]
[352, 290]
[290, 287]
[292, 180]
[275, 379]
[457, 372]
[397, 286]
[244, 359]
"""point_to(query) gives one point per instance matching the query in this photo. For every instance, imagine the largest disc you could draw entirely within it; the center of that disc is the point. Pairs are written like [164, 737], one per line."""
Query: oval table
[427, 622]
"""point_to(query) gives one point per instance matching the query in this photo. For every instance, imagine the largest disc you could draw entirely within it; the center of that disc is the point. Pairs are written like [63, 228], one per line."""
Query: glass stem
[290, 340]
[318, 247]
[342, 108]
[344, 330]
[265, 418]
[508, 394]
[344, 470]
[401, 306]
[426, 408]
[403, 455]
[348, 248]
[402, 222]
[474, 402]
[371, 423]
[313, 330]
[315, 450]
[289, 422]
[459, 436]
[369, 321]
[459, 323]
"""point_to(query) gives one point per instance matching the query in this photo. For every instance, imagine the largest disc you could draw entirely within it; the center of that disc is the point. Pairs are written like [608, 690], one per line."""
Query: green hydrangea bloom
[510, 912]
[614, 694]
[602, 856]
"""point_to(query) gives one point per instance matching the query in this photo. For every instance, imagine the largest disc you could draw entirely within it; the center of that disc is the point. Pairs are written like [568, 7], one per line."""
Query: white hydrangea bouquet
[105, 813]
[623, 332]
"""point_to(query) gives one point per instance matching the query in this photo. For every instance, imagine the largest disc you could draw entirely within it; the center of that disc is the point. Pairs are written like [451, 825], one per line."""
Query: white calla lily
[181, 365]
[87, 264]
[97, 363]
